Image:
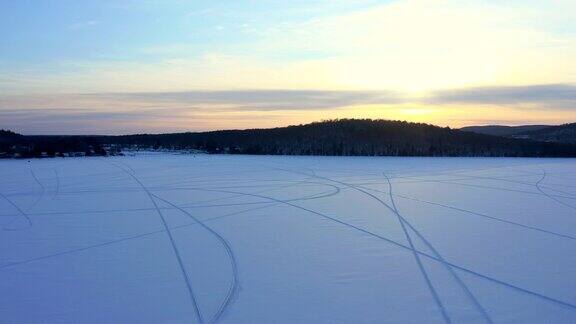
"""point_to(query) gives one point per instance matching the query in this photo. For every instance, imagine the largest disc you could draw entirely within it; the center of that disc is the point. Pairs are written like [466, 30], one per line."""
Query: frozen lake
[166, 238]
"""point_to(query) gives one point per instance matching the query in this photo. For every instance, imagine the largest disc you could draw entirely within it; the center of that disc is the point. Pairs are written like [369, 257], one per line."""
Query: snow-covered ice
[169, 238]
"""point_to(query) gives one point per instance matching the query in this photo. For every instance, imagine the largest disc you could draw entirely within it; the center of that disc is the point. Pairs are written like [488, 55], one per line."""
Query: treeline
[343, 137]
[560, 134]
[539, 133]
[14, 145]
[349, 137]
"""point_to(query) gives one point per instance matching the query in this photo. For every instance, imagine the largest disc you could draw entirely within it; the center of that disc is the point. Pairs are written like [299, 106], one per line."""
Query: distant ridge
[499, 130]
[349, 137]
[541, 133]
[342, 137]
[561, 134]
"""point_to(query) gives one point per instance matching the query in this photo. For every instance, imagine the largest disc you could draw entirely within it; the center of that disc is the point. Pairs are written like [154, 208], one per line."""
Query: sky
[128, 66]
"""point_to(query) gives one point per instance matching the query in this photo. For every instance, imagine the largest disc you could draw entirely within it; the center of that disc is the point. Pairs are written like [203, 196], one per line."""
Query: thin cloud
[175, 110]
[549, 95]
[202, 110]
[263, 100]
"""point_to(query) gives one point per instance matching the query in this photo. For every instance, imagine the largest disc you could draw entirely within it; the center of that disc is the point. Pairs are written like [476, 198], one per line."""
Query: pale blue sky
[60, 56]
[50, 32]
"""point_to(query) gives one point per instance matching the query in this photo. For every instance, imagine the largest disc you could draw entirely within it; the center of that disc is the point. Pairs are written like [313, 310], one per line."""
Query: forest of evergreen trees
[14, 145]
[350, 137]
[344, 137]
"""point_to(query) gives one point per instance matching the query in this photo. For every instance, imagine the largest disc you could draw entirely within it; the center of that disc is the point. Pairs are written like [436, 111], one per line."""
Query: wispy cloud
[258, 100]
[176, 111]
[552, 96]
[204, 110]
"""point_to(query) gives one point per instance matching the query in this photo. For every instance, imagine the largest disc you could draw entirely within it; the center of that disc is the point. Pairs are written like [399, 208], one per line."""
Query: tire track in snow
[320, 195]
[41, 186]
[403, 223]
[463, 177]
[132, 189]
[6, 227]
[234, 286]
[127, 166]
[419, 263]
[20, 211]
[454, 275]
[124, 239]
[427, 255]
[187, 279]
[268, 205]
[482, 187]
[520, 182]
[399, 245]
[478, 214]
[539, 187]
[452, 265]
[57, 190]
[295, 183]
[425, 274]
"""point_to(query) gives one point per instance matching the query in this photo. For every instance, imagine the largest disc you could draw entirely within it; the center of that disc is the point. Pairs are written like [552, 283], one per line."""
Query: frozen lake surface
[164, 238]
